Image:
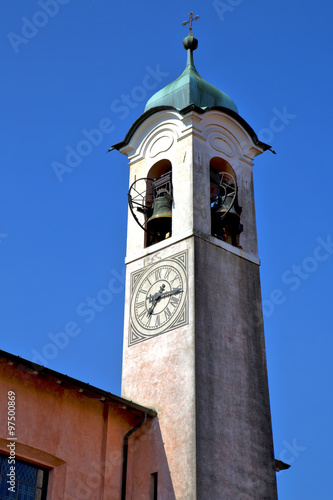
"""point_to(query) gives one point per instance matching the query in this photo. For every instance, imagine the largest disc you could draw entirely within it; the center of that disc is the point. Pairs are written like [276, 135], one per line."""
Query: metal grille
[30, 481]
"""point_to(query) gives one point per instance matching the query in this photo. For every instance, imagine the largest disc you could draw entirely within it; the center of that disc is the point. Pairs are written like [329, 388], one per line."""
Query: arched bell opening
[225, 211]
[159, 185]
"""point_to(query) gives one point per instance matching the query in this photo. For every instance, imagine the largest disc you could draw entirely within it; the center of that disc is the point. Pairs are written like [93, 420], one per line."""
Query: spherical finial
[190, 42]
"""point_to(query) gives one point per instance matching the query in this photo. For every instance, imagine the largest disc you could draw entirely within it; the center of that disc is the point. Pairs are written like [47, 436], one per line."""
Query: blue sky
[75, 76]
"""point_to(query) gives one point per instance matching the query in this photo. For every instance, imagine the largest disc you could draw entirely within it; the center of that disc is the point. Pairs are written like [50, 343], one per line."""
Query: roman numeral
[175, 278]
[142, 315]
[167, 313]
[174, 300]
[167, 273]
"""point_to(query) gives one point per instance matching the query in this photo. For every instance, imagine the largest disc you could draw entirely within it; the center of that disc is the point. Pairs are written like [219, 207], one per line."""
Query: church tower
[193, 339]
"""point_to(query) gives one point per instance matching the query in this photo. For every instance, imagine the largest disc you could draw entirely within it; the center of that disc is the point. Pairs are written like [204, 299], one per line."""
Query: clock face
[158, 298]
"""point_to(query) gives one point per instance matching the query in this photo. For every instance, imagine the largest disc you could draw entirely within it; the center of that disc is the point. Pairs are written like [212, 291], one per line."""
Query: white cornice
[188, 234]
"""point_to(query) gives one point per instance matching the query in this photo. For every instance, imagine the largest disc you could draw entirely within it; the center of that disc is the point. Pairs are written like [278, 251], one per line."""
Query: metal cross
[190, 21]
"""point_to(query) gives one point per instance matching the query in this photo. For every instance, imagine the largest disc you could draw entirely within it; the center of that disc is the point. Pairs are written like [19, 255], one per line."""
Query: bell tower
[193, 338]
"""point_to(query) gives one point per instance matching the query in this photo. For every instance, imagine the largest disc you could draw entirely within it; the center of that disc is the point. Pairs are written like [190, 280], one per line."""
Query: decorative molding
[229, 137]
[146, 252]
[26, 452]
[221, 144]
[160, 144]
[225, 135]
[159, 140]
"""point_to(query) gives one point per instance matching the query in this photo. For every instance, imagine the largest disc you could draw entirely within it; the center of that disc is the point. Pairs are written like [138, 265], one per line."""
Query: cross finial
[191, 14]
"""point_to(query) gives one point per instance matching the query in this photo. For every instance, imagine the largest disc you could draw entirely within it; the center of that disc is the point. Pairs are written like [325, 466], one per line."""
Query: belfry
[194, 347]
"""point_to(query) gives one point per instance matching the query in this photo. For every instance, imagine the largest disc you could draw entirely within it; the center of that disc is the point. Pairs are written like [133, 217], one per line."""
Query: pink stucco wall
[80, 438]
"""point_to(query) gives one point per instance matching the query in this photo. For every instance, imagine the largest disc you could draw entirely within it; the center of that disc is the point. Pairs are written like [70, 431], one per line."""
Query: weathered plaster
[79, 438]
[208, 379]
[189, 142]
[162, 370]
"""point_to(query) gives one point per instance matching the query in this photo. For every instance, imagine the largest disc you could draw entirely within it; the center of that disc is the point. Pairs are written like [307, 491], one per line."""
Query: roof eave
[88, 390]
[191, 107]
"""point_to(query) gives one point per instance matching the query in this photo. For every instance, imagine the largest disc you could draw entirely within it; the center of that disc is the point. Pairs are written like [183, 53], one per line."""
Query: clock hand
[154, 299]
[171, 292]
[156, 295]
[151, 309]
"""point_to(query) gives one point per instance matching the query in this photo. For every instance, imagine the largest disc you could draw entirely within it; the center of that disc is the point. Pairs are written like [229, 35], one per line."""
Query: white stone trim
[211, 126]
[188, 234]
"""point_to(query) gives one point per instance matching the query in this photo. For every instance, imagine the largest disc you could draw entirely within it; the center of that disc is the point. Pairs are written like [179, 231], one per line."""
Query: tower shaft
[204, 372]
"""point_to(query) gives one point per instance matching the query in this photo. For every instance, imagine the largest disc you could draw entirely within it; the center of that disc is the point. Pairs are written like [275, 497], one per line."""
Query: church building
[193, 421]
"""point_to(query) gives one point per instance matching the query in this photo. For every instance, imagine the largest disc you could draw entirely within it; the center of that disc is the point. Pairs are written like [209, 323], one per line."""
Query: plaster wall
[160, 371]
[157, 140]
[216, 134]
[189, 142]
[148, 457]
[234, 435]
[207, 380]
[79, 439]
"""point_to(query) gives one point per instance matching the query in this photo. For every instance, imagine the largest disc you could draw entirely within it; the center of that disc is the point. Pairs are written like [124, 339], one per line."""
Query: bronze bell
[226, 221]
[224, 211]
[159, 224]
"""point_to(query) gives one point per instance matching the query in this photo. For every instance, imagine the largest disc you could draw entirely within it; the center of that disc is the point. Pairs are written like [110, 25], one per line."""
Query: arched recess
[159, 168]
[159, 224]
[225, 211]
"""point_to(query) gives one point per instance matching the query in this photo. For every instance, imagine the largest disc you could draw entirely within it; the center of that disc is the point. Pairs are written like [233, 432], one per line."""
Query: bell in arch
[226, 211]
[160, 222]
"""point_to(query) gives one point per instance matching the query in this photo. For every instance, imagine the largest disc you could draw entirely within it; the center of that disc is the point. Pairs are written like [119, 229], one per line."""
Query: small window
[153, 486]
[24, 482]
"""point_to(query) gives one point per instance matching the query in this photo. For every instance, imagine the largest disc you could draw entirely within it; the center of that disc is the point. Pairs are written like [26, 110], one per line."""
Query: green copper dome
[190, 88]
